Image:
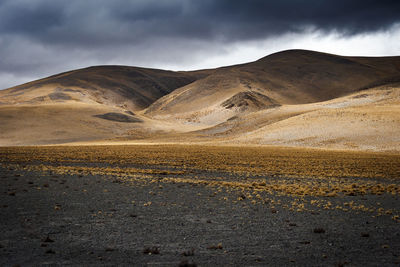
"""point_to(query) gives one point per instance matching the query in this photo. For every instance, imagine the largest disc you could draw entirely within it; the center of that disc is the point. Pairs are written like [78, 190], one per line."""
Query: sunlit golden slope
[292, 98]
[288, 77]
[366, 120]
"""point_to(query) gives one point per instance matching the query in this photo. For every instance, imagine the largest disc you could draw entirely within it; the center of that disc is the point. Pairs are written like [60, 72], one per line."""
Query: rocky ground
[94, 220]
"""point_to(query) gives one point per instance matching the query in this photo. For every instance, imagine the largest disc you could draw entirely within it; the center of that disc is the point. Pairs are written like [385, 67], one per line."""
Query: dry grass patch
[255, 173]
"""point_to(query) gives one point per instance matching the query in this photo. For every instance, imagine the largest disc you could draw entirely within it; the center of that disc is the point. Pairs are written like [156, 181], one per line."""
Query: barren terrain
[198, 205]
[289, 160]
[292, 98]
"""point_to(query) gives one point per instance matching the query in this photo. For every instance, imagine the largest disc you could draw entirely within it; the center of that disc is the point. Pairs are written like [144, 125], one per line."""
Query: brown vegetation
[311, 178]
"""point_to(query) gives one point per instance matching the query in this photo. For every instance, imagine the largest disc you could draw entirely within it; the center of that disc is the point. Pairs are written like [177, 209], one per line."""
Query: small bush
[219, 246]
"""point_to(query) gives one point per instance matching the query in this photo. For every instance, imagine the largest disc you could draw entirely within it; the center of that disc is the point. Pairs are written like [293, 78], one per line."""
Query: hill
[290, 98]
[129, 87]
[288, 77]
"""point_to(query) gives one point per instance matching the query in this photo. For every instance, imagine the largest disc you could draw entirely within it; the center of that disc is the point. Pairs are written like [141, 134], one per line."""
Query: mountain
[82, 105]
[129, 87]
[288, 77]
[293, 98]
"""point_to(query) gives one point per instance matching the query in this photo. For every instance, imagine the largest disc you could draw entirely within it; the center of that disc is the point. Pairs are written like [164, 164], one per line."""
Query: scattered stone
[50, 251]
[319, 230]
[48, 240]
[151, 250]
[188, 253]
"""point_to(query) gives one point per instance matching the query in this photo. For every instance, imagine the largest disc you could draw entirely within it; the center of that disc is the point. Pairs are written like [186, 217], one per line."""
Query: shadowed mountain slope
[130, 87]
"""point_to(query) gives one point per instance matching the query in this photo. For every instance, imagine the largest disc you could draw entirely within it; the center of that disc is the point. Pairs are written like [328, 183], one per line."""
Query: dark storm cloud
[45, 35]
[59, 21]
[28, 19]
[259, 18]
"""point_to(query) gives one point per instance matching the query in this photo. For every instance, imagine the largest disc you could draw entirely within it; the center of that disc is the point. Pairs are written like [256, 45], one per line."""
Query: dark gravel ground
[95, 220]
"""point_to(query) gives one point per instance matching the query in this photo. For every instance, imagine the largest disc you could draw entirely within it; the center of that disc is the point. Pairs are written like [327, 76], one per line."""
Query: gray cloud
[40, 37]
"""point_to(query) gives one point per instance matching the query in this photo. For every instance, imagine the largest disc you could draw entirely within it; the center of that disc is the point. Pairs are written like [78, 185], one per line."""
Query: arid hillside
[291, 98]
[288, 77]
[366, 120]
[121, 86]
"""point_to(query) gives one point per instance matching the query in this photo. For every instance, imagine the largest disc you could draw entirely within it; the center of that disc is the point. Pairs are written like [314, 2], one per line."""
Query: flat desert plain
[180, 205]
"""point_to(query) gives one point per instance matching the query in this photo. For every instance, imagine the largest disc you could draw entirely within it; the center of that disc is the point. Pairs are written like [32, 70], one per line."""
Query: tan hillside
[128, 87]
[366, 120]
[60, 123]
[292, 98]
[87, 104]
[288, 77]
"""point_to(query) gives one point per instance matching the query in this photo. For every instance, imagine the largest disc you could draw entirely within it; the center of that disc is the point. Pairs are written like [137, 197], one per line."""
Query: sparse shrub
[219, 246]
[364, 235]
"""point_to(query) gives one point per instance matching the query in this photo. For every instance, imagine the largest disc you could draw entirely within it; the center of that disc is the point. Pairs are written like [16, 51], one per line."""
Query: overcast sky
[39, 38]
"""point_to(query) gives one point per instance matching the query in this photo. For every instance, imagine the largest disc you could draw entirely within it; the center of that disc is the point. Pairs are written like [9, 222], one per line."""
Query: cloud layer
[43, 37]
